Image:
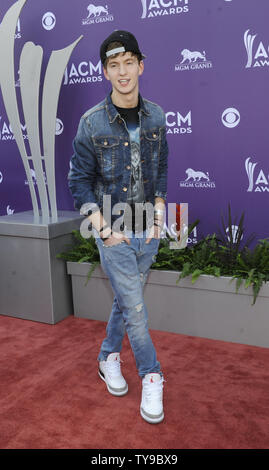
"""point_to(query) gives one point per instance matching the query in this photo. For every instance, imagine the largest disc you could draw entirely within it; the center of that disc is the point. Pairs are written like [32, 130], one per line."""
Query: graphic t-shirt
[136, 188]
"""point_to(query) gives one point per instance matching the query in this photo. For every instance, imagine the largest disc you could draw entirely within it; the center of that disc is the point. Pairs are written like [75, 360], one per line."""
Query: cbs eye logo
[48, 20]
[59, 127]
[230, 117]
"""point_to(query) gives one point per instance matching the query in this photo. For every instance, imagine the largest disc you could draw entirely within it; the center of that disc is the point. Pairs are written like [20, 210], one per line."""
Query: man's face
[123, 72]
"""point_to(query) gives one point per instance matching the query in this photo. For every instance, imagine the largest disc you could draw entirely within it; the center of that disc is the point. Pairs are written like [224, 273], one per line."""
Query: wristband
[106, 238]
[103, 228]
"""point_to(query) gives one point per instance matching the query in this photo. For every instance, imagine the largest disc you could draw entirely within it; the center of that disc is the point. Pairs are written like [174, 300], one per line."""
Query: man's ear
[105, 73]
[141, 67]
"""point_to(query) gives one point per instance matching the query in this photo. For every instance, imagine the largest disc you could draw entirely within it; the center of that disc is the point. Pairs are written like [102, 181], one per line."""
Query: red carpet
[216, 393]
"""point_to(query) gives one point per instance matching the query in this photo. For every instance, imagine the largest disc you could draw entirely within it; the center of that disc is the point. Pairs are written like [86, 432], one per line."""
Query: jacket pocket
[152, 141]
[108, 152]
[152, 135]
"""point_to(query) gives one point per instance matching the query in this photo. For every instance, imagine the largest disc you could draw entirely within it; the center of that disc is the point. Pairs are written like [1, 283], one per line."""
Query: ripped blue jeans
[127, 267]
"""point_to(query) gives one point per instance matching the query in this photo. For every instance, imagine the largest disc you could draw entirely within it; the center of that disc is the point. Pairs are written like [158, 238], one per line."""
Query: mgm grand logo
[197, 179]
[193, 60]
[97, 14]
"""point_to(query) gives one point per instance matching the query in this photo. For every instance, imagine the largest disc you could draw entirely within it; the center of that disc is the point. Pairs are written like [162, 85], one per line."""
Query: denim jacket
[101, 163]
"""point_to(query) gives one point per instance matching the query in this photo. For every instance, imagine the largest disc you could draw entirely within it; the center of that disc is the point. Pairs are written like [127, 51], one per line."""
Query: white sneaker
[110, 373]
[151, 407]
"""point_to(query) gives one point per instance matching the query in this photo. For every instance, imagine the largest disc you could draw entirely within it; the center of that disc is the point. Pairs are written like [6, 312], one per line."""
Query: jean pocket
[111, 246]
[157, 243]
[154, 242]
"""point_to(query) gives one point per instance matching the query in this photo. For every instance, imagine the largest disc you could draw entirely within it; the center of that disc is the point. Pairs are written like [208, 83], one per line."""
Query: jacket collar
[113, 113]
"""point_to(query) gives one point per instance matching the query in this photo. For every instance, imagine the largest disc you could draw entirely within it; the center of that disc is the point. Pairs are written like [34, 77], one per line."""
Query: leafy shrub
[221, 254]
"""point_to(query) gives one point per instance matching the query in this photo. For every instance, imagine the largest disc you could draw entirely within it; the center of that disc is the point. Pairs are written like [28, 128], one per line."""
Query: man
[120, 152]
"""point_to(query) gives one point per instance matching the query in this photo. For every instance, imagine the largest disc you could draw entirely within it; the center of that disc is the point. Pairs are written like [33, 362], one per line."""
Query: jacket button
[142, 161]
[128, 167]
[126, 144]
[105, 142]
[124, 189]
[154, 136]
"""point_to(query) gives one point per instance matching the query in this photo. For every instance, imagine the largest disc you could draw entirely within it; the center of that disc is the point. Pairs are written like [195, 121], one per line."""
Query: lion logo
[96, 11]
[192, 56]
[196, 175]
[34, 176]
[10, 211]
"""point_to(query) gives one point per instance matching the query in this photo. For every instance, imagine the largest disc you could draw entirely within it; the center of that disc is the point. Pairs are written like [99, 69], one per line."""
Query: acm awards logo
[97, 14]
[256, 56]
[172, 232]
[256, 183]
[18, 30]
[197, 179]
[235, 234]
[84, 72]
[155, 8]
[6, 133]
[192, 238]
[177, 123]
[192, 60]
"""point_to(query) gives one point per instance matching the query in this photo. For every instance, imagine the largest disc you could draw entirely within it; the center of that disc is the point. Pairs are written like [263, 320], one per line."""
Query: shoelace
[153, 389]
[113, 368]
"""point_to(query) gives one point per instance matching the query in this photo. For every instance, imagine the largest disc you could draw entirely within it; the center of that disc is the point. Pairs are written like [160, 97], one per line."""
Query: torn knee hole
[139, 307]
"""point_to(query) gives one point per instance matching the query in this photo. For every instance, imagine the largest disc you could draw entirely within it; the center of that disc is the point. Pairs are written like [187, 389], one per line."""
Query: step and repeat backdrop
[207, 65]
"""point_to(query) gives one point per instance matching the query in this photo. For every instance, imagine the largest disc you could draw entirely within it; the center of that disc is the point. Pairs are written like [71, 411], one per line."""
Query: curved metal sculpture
[30, 69]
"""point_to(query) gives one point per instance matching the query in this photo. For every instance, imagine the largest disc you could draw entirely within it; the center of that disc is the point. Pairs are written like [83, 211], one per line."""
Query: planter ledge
[210, 308]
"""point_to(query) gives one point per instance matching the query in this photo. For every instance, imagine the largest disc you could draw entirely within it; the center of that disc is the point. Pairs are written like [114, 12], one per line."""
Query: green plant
[253, 267]
[82, 250]
[221, 254]
[226, 254]
[230, 239]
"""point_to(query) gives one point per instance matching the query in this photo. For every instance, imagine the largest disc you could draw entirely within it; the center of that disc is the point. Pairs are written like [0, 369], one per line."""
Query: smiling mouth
[124, 81]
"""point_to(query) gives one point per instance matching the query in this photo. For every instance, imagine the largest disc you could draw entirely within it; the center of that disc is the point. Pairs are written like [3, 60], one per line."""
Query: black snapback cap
[128, 41]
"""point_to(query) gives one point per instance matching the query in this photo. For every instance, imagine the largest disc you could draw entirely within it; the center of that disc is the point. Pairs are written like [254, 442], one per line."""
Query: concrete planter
[34, 284]
[210, 308]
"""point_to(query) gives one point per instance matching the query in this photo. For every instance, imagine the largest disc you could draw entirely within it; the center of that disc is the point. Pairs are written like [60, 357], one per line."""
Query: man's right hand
[115, 239]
